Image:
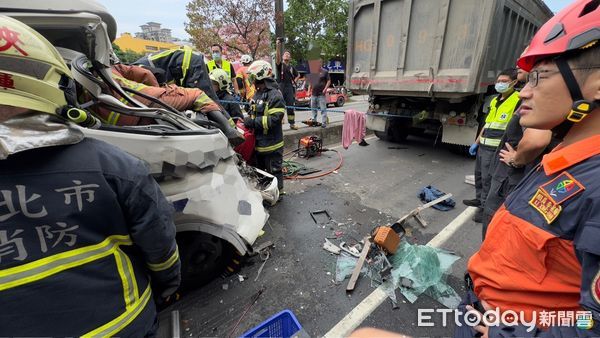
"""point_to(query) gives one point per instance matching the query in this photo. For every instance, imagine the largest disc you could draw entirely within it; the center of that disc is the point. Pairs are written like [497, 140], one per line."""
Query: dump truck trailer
[429, 64]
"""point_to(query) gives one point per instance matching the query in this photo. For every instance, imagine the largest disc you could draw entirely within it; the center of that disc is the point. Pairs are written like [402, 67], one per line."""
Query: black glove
[249, 122]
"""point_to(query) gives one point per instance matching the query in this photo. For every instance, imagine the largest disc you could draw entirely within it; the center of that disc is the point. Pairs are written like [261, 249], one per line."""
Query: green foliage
[127, 56]
[317, 23]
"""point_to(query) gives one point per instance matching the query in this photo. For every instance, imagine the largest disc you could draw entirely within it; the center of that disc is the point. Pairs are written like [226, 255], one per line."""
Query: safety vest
[73, 261]
[497, 119]
[225, 65]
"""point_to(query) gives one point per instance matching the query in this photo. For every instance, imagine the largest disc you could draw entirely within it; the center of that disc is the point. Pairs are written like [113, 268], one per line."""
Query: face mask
[502, 87]
[216, 56]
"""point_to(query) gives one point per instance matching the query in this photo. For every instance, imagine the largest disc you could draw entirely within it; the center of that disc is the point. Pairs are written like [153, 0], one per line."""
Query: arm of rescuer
[150, 219]
[532, 144]
[272, 117]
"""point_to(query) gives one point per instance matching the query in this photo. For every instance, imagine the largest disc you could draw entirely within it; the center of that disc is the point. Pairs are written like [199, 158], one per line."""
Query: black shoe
[478, 217]
[363, 143]
[472, 203]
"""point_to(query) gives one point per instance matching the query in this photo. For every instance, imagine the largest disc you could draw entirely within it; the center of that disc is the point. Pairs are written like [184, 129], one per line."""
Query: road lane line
[357, 315]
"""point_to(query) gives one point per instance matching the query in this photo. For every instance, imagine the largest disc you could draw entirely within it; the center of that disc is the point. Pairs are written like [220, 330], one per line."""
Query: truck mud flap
[459, 135]
[376, 123]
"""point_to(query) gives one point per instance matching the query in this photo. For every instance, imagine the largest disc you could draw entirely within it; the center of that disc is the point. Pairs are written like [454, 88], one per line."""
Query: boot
[472, 203]
[232, 134]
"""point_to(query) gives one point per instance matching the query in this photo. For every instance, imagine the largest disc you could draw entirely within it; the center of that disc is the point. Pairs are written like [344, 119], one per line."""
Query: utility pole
[279, 28]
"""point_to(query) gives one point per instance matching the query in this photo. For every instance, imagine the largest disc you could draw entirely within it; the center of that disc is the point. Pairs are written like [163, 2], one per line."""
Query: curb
[330, 135]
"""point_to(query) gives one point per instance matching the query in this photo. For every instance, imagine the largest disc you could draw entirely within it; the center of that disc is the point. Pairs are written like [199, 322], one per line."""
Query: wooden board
[359, 264]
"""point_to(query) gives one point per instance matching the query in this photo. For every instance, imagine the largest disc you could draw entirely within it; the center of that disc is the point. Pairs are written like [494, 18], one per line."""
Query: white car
[217, 197]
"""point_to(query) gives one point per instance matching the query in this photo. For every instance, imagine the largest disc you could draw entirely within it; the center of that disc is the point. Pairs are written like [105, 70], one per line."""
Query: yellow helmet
[221, 77]
[32, 72]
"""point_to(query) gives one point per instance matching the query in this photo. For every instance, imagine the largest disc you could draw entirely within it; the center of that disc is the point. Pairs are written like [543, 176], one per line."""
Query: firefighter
[541, 249]
[501, 110]
[182, 67]
[266, 116]
[179, 98]
[246, 88]
[221, 83]
[217, 61]
[87, 239]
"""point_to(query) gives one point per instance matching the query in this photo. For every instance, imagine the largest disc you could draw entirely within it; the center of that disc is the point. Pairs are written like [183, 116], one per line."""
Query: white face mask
[502, 87]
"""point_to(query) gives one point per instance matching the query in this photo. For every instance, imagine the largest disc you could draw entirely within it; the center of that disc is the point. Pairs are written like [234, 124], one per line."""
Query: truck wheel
[340, 101]
[382, 135]
[203, 257]
[398, 131]
[395, 132]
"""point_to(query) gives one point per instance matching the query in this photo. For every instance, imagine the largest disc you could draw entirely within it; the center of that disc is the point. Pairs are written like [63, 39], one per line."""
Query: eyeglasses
[533, 78]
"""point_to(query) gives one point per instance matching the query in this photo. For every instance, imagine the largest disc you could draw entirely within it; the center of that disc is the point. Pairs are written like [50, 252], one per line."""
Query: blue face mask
[216, 56]
[502, 87]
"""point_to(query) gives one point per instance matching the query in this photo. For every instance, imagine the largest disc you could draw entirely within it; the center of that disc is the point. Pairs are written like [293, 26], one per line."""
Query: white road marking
[357, 315]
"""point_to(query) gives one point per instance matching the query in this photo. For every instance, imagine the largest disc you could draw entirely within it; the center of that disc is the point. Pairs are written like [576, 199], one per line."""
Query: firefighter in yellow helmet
[86, 236]
[221, 83]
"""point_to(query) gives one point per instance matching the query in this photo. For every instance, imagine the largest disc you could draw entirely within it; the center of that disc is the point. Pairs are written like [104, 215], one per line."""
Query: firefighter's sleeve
[150, 218]
[204, 104]
[588, 252]
[273, 115]
[198, 77]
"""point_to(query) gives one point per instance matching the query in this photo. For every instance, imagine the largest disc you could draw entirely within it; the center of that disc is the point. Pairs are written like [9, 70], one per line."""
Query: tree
[322, 23]
[243, 26]
[127, 56]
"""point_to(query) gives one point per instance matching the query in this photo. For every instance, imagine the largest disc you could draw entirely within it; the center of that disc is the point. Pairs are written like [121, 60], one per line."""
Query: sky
[130, 14]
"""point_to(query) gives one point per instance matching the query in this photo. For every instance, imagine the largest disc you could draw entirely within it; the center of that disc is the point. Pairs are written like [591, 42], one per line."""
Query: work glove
[473, 149]
[249, 122]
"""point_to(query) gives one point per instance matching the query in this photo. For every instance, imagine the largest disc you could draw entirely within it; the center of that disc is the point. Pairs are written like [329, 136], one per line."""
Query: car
[335, 96]
[219, 200]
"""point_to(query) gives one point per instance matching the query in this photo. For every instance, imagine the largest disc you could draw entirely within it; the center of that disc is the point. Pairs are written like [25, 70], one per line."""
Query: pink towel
[354, 127]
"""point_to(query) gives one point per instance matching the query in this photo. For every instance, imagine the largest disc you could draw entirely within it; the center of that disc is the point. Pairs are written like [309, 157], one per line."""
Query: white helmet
[259, 70]
[221, 77]
[246, 59]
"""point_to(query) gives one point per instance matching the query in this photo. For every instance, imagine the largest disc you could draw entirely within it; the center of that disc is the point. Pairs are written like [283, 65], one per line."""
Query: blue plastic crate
[284, 324]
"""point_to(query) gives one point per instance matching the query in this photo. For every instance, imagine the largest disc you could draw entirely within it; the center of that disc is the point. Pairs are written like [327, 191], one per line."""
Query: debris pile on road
[415, 269]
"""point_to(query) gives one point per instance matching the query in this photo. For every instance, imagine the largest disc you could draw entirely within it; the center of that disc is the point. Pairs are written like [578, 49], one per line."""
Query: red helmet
[575, 27]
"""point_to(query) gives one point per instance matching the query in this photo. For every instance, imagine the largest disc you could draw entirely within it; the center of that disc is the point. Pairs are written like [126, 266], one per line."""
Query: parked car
[335, 96]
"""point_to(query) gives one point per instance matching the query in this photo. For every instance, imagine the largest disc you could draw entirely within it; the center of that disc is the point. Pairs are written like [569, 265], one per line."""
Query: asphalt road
[376, 185]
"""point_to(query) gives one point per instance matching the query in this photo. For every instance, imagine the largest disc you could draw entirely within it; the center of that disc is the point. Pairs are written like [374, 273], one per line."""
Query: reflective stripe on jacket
[497, 119]
[182, 67]
[267, 125]
[86, 238]
[225, 65]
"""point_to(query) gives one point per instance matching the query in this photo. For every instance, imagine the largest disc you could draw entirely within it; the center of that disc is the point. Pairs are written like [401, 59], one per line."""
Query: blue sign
[335, 66]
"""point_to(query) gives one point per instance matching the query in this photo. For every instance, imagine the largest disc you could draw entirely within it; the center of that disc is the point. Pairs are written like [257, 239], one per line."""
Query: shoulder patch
[545, 205]
[595, 289]
[562, 187]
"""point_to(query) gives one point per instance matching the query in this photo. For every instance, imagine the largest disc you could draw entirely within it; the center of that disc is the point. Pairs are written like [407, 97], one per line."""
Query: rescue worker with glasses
[87, 239]
[541, 251]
